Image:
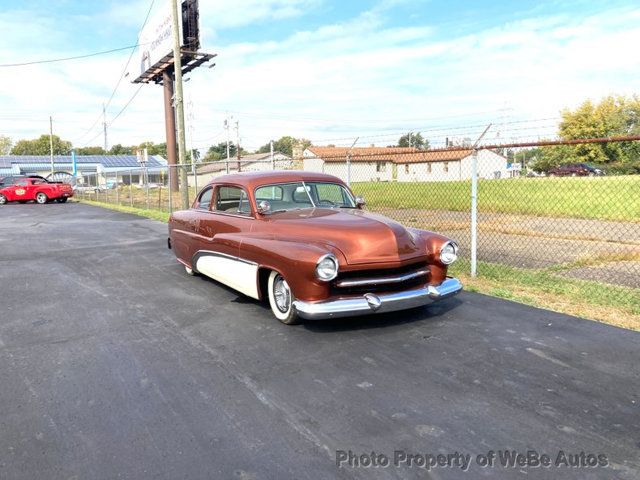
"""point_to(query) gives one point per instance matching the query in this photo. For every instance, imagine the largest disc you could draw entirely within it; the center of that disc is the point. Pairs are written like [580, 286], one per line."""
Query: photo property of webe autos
[303, 242]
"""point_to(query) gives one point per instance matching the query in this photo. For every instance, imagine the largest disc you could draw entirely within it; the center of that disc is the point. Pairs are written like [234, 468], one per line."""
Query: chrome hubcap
[282, 294]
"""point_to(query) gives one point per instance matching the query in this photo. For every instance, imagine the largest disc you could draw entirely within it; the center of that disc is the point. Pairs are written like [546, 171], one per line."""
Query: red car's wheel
[281, 299]
[3, 199]
[41, 198]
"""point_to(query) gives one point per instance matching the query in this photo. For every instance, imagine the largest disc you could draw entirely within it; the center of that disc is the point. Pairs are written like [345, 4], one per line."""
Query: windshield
[297, 195]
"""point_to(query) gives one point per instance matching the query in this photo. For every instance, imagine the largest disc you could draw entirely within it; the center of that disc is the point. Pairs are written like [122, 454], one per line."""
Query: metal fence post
[117, 189]
[169, 176]
[474, 213]
[146, 183]
[195, 176]
[131, 188]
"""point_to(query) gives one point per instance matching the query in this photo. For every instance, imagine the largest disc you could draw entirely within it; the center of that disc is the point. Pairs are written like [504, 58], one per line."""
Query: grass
[544, 288]
[142, 212]
[601, 198]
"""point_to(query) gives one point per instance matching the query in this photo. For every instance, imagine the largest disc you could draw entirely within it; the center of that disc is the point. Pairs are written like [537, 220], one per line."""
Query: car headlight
[327, 268]
[448, 253]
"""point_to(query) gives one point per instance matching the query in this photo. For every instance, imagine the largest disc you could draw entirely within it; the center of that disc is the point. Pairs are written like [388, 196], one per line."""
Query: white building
[376, 164]
[450, 165]
[368, 164]
[89, 169]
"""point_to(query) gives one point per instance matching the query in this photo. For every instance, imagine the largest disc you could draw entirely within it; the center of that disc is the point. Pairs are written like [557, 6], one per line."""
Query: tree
[153, 148]
[219, 152]
[285, 145]
[40, 146]
[118, 149]
[413, 140]
[90, 151]
[5, 145]
[612, 116]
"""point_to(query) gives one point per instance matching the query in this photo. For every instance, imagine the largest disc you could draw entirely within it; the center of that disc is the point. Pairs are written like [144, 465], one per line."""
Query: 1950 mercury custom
[303, 241]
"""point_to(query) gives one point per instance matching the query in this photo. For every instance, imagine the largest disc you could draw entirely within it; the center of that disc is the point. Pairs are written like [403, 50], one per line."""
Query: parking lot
[115, 364]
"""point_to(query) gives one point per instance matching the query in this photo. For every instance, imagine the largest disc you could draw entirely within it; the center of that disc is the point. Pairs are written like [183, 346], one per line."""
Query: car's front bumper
[374, 303]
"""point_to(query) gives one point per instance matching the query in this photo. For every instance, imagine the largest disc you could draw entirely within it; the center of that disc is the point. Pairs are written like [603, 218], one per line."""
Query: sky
[330, 71]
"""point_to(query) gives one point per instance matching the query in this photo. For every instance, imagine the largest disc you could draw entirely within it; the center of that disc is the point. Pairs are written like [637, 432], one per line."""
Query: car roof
[252, 180]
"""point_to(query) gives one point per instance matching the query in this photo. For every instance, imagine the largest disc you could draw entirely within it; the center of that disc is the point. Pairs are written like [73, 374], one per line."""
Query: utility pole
[170, 129]
[238, 143]
[410, 139]
[177, 62]
[51, 142]
[226, 127]
[273, 163]
[104, 127]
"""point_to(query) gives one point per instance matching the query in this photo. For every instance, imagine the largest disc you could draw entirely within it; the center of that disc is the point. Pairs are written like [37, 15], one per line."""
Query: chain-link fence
[572, 223]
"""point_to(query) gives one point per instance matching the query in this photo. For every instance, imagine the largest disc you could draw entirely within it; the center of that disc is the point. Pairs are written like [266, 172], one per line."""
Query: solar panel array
[107, 161]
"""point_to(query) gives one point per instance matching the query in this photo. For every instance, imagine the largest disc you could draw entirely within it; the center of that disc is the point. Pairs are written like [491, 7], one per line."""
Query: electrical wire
[118, 114]
[124, 71]
[77, 57]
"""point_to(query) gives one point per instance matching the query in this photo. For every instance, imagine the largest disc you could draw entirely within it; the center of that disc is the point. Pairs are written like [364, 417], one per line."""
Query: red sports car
[24, 189]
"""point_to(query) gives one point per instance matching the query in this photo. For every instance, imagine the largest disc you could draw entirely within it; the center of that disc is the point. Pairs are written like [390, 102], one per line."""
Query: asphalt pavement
[115, 364]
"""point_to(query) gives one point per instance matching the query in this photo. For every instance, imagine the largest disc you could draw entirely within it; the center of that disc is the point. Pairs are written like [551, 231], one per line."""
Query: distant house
[248, 163]
[368, 164]
[448, 165]
[379, 164]
[91, 169]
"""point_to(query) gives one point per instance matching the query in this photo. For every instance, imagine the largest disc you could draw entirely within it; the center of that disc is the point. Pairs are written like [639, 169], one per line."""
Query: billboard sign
[156, 38]
[155, 42]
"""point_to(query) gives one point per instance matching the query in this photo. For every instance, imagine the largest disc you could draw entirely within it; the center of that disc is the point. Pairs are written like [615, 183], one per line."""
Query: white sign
[155, 40]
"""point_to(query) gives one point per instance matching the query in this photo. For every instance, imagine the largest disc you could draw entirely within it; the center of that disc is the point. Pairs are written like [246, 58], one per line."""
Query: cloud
[360, 77]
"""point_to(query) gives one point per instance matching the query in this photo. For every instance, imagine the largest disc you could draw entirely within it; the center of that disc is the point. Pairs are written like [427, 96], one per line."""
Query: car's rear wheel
[281, 299]
[3, 199]
[62, 200]
[41, 198]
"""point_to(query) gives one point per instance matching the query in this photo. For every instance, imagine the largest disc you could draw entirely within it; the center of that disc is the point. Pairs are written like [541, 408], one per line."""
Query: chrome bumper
[371, 303]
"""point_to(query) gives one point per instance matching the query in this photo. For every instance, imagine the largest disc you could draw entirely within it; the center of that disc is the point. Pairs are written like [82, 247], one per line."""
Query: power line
[124, 71]
[118, 114]
[77, 57]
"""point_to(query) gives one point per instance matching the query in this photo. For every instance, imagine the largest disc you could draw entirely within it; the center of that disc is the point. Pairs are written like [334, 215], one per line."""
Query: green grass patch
[602, 198]
[141, 212]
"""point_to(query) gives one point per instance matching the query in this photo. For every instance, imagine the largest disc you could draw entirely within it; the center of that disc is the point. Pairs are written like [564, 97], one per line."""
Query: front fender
[295, 261]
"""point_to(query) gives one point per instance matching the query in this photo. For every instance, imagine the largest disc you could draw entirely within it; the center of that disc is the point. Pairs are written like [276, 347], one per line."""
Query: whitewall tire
[281, 299]
[189, 271]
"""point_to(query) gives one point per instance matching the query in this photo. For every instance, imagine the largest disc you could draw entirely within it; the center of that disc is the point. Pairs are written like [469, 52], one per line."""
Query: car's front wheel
[3, 199]
[281, 299]
[41, 198]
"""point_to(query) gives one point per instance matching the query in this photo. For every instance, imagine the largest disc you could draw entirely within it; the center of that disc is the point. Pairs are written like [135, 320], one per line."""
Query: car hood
[362, 237]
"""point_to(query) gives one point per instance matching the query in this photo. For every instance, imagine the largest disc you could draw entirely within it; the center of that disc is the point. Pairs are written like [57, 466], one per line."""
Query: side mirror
[360, 202]
[264, 207]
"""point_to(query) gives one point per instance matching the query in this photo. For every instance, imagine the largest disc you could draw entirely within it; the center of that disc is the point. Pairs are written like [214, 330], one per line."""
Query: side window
[22, 183]
[232, 200]
[205, 199]
[269, 193]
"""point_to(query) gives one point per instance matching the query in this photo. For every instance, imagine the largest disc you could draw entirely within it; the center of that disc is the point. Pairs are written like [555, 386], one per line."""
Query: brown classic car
[303, 241]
